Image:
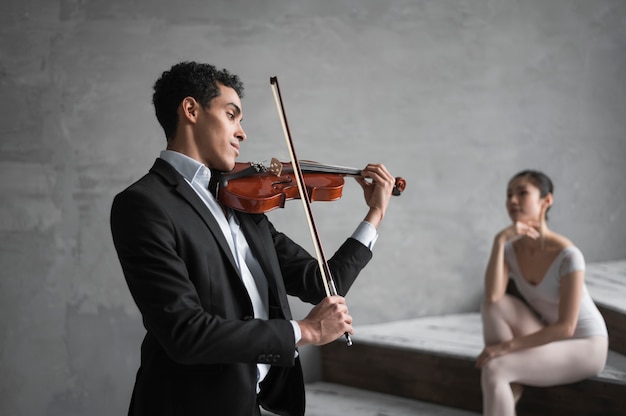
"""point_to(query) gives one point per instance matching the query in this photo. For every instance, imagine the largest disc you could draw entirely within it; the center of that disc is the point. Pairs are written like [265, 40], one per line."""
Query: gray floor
[327, 399]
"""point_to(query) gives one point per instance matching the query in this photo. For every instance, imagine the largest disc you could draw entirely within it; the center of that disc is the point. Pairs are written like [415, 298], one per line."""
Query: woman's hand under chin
[521, 229]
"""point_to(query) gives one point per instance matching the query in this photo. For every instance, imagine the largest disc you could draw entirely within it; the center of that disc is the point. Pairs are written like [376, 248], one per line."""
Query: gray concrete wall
[453, 95]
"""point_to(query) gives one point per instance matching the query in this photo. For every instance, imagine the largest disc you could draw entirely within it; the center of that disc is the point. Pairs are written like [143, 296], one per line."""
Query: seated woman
[557, 336]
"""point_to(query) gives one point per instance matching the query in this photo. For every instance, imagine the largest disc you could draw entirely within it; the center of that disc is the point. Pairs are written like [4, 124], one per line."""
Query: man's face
[218, 131]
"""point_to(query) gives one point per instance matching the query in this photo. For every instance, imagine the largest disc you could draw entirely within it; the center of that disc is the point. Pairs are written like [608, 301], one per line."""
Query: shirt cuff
[366, 234]
[297, 333]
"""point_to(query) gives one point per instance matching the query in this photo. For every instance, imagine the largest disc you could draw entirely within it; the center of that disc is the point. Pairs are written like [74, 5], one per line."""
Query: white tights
[559, 362]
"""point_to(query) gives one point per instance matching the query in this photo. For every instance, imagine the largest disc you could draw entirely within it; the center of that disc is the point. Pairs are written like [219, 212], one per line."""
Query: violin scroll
[398, 187]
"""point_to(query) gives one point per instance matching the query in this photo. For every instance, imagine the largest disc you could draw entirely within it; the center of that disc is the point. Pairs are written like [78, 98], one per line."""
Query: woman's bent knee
[492, 373]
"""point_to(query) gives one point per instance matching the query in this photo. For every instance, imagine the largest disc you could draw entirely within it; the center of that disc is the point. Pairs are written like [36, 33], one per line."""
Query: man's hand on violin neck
[326, 322]
[377, 184]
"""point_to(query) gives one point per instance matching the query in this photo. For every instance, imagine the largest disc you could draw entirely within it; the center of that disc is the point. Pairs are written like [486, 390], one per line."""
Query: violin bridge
[276, 167]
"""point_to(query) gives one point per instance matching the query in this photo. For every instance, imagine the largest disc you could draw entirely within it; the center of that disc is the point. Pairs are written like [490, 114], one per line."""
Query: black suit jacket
[202, 344]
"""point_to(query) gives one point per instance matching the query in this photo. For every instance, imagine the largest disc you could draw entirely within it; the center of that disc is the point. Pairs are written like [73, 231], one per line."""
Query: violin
[273, 187]
[256, 188]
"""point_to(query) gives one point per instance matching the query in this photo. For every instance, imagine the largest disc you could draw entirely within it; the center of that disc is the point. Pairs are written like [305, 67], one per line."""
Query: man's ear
[189, 108]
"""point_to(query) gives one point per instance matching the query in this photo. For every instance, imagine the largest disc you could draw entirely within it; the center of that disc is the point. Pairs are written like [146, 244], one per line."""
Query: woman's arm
[497, 273]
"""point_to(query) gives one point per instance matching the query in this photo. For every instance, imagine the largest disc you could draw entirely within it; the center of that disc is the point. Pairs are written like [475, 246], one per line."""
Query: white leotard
[544, 297]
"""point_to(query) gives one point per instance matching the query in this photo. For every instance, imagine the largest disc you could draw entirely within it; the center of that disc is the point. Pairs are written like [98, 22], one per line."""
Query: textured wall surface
[453, 95]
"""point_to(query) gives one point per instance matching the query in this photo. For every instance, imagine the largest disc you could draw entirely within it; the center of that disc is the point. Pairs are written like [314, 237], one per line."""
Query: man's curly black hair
[188, 79]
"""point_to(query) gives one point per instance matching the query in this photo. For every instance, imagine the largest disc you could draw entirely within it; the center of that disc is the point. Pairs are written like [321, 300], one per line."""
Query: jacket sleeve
[301, 271]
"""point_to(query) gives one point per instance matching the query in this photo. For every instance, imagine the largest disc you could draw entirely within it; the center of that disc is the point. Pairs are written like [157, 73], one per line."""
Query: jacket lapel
[173, 178]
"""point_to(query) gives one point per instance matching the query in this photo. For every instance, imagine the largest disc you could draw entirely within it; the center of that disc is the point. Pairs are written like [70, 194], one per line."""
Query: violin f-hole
[283, 182]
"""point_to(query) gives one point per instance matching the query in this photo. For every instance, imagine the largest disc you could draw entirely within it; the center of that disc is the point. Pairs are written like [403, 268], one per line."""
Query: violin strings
[318, 167]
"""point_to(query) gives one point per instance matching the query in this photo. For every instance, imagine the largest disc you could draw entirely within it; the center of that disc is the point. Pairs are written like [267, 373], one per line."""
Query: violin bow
[327, 279]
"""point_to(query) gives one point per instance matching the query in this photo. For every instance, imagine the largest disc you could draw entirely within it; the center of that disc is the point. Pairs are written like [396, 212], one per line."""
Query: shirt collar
[191, 169]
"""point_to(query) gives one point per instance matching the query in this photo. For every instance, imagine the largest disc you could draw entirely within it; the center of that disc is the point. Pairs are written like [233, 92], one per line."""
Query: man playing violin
[211, 282]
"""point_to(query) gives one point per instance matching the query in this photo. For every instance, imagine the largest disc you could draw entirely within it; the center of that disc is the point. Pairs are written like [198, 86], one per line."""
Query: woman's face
[524, 202]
